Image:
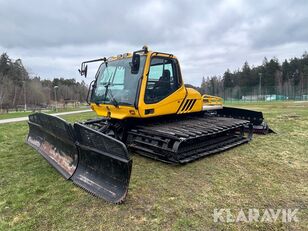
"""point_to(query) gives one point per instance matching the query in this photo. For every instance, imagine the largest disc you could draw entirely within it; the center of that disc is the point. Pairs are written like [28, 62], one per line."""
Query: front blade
[104, 166]
[54, 139]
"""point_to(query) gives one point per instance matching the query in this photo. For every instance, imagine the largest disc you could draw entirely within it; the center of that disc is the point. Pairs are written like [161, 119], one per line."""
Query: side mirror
[135, 63]
[83, 70]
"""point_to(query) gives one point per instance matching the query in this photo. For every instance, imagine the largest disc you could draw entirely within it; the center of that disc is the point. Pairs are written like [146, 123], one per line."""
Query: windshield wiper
[108, 91]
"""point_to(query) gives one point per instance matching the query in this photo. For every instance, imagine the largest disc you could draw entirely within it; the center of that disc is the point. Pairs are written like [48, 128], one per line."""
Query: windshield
[117, 79]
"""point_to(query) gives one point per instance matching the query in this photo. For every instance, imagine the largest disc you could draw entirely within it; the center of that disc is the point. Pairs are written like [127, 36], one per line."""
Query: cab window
[163, 79]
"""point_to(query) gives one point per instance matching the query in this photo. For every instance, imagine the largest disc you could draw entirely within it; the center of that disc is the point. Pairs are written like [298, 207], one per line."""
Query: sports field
[271, 172]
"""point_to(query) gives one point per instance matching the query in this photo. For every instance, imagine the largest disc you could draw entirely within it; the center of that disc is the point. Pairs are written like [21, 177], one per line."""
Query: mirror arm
[83, 67]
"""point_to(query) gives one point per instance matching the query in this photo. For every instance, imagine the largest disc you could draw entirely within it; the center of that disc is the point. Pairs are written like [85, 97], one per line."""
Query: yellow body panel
[120, 112]
[183, 100]
[169, 105]
[192, 103]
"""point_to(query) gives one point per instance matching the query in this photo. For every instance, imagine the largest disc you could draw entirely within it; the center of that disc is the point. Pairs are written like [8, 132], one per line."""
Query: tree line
[18, 88]
[272, 77]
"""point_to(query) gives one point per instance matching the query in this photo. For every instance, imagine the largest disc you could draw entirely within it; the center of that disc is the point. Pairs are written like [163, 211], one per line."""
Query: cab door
[162, 87]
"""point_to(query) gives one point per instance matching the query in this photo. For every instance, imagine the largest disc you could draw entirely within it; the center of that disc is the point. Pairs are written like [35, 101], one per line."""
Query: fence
[262, 94]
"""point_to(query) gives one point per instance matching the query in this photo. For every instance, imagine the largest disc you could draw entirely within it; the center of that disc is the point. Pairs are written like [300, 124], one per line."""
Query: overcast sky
[54, 37]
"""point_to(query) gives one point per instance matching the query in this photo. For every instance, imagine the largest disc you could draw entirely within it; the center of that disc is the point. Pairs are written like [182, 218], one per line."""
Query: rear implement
[255, 117]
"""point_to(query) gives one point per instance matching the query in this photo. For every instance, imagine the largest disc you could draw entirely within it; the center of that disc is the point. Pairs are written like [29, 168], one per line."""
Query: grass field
[269, 172]
[26, 113]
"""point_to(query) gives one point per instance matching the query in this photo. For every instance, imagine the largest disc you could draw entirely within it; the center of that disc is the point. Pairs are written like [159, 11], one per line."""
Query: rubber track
[187, 139]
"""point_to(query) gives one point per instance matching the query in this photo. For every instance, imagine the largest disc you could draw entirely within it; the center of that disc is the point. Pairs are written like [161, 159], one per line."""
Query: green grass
[269, 172]
[23, 113]
[14, 115]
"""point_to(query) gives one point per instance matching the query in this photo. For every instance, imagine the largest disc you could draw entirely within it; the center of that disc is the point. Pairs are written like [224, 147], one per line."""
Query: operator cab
[142, 84]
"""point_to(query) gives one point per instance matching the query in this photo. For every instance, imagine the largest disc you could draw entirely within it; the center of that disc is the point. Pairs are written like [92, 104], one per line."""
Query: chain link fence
[263, 93]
